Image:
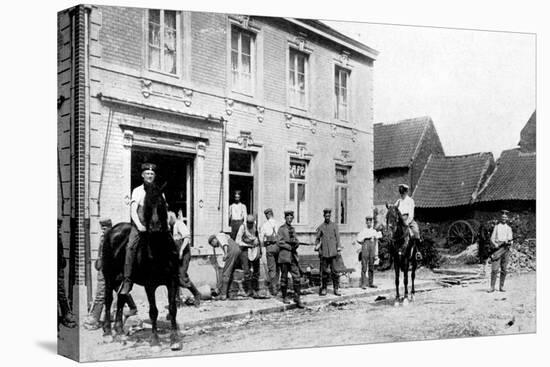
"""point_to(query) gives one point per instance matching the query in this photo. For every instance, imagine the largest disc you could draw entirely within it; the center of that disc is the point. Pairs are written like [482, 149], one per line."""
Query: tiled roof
[514, 178]
[395, 144]
[451, 181]
[528, 135]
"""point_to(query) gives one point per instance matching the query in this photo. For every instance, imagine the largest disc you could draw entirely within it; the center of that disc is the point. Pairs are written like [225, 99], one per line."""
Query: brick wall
[274, 135]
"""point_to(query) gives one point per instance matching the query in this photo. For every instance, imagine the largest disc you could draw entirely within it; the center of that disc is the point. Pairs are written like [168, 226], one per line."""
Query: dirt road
[459, 311]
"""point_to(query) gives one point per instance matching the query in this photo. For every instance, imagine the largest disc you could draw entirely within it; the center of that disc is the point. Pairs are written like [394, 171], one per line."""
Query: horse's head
[154, 209]
[394, 220]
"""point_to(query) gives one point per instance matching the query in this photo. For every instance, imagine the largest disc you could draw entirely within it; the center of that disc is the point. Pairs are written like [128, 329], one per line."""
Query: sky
[477, 86]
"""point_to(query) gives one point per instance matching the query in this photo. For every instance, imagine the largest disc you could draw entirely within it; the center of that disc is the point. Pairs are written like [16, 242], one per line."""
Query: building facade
[278, 108]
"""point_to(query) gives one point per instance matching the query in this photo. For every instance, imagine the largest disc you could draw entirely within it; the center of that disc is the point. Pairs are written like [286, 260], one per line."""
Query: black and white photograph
[239, 182]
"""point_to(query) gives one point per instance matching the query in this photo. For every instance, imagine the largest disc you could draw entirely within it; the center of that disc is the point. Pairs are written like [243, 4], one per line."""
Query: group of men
[244, 247]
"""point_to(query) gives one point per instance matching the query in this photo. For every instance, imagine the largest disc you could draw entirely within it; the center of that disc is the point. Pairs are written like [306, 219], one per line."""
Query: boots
[493, 281]
[196, 295]
[284, 294]
[255, 288]
[297, 299]
[273, 288]
[323, 286]
[502, 279]
[336, 284]
[223, 292]
[92, 321]
[363, 284]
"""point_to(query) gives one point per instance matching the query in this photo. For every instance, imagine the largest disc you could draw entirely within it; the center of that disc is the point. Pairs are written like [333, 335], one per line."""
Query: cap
[59, 221]
[148, 166]
[368, 216]
[405, 186]
[105, 222]
[268, 210]
[289, 212]
[504, 212]
[327, 210]
[237, 192]
[211, 238]
[250, 218]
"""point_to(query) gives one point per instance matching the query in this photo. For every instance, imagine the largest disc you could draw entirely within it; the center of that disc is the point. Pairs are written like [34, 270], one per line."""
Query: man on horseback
[405, 204]
[138, 228]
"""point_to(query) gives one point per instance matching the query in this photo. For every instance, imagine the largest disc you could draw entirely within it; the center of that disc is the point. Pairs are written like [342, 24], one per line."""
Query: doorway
[174, 172]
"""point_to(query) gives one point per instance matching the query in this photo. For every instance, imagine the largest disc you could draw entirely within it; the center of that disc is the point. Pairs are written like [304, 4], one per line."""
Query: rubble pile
[522, 256]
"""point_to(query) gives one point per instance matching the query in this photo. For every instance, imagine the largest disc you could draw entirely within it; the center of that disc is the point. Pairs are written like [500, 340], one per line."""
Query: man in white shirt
[405, 204]
[368, 239]
[237, 215]
[182, 238]
[501, 239]
[136, 213]
[268, 239]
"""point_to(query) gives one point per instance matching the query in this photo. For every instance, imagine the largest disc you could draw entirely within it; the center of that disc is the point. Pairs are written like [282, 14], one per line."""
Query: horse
[403, 250]
[155, 264]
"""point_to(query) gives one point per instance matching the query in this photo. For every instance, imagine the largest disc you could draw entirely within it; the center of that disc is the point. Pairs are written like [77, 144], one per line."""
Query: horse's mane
[154, 199]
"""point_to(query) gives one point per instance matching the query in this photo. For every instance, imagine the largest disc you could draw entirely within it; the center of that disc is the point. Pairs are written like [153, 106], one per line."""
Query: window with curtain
[341, 195]
[297, 65]
[242, 60]
[341, 93]
[162, 40]
[297, 190]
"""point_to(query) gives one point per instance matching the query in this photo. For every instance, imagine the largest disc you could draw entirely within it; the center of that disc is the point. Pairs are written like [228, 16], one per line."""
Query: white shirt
[237, 211]
[222, 238]
[406, 206]
[269, 228]
[138, 195]
[180, 230]
[501, 233]
[368, 234]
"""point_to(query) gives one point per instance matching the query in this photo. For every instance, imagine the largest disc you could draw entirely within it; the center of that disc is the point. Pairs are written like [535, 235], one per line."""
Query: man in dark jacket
[327, 243]
[288, 258]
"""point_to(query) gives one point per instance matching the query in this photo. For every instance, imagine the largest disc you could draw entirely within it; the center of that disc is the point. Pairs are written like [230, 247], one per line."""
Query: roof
[395, 144]
[332, 34]
[528, 135]
[514, 178]
[451, 181]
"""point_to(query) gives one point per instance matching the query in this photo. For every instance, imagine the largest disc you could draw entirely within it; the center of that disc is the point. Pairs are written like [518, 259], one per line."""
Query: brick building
[401, 151]
[279, 108]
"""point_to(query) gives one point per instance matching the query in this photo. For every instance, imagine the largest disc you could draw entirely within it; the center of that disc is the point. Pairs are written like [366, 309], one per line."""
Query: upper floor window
[341, 93]
[297, 67]
[162, 40]
[341, 195]
[242, 60]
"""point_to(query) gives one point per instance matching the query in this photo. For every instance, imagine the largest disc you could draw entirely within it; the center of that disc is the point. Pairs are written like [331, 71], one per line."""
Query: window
[162, 40]
[341, 93]
[341, 195]
[297, 190]
[242, 60]
[297, 78]
[241, 177]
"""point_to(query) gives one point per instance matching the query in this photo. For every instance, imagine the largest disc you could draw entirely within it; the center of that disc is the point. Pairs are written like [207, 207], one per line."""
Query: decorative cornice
[229, 103]
[245, 139]
[260, 114]
[288, 118]
[187, 95]
[146, 87]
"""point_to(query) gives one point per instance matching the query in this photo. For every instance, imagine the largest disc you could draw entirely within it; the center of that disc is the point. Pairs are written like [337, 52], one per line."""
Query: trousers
[293, 269]
[273, 268]
[326, 263]
[367, 262]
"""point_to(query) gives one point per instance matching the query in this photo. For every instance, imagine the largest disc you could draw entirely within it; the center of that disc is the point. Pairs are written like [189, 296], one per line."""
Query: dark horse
[155, 265]
[403, 249]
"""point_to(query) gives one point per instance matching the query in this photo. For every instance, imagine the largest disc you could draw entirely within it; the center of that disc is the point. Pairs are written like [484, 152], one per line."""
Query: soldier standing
[368, 239]
[66, 317]
[327, 243]
[501, 239]
[92, 321]
[237, 215]
[288, 258]
[268, 239]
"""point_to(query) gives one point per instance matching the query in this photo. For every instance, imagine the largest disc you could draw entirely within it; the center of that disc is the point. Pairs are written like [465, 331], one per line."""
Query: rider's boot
[128, 264]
